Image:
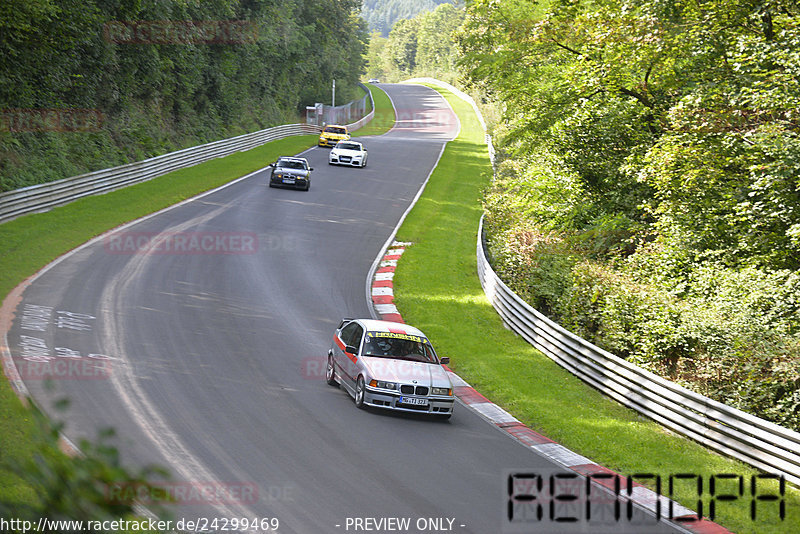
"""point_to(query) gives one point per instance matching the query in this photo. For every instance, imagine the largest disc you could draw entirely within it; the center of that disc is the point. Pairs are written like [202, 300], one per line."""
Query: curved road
[212, 363]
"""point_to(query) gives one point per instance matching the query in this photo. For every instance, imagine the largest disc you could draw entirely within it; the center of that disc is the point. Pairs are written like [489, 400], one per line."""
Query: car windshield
[335, 130]
[348, 146]
[291, 164]
[401, 346]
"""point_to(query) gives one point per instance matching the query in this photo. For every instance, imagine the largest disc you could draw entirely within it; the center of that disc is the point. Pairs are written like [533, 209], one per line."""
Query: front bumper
[300, 182]
[380, 398]
[345, 160]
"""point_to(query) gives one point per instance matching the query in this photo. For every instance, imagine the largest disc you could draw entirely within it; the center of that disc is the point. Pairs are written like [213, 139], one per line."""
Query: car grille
[344, 159]
[411, 390]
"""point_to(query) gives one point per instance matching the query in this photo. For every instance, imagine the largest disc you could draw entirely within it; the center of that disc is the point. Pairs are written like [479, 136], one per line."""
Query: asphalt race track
[212, 362]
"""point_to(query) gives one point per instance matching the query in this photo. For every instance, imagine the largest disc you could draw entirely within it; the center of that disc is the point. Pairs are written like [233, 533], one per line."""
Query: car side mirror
[311, 168]
[271, 164]
[351, 349]
[444, 360]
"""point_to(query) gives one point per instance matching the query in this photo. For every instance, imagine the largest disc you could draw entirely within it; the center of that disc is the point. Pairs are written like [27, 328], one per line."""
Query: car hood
[405, 372]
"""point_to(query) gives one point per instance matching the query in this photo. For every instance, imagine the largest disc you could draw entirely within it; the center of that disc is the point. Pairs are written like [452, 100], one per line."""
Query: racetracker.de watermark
[181, 243]
[51, 120]
[436, 119]
[172, 32]
[184, 492]
[81, 368]
[314, 367]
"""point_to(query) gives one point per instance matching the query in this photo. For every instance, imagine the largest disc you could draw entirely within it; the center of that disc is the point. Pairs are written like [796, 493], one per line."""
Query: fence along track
[42, 197]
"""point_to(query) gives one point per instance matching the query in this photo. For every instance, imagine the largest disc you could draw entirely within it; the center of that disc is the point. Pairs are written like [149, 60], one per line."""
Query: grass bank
[437, 289]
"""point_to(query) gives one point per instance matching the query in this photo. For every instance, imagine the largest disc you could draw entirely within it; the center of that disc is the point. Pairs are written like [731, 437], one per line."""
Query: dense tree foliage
[648, 185]
[381, 15]
[421, 46]
[160, 88]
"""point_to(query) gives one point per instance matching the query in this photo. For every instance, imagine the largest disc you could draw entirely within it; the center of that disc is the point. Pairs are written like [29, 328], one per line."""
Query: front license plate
[288, 180]
[413, 400]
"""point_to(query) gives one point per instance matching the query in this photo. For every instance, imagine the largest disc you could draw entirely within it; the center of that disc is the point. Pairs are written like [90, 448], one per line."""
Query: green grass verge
[383, 120]
[29, 243]
[437, 289]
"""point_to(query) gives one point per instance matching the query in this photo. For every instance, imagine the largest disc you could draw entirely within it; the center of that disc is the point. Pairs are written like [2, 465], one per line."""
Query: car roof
[374, 325]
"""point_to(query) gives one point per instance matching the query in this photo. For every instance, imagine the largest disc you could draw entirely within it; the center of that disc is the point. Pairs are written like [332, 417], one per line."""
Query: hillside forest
[93, 84]
[382, 15]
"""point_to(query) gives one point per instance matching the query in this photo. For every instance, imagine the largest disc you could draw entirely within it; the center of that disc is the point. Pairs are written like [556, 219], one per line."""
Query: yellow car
[332, 134]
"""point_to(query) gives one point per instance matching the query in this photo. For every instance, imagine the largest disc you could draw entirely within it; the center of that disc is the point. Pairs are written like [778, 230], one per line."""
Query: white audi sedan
[389, 365]
[350, 153]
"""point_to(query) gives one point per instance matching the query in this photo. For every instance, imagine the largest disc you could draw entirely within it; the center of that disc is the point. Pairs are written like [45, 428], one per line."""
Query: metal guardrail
[757, 442]
[369, 116]
[345, 113]
[42, 197]
[353, 114]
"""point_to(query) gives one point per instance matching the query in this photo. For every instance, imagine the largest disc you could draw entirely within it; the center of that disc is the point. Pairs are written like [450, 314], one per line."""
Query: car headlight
[442, 391]
[382, 384]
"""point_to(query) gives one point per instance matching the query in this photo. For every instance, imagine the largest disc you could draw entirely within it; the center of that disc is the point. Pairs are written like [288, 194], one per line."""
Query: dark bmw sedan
[291, 172]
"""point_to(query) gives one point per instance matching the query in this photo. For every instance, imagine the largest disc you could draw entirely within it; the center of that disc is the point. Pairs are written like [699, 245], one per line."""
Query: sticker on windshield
[396, 335]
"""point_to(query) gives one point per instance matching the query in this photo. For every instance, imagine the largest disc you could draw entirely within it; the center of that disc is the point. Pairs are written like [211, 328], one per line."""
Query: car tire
[359, 394]
[308, 186]
[443, 417]
[330, 373]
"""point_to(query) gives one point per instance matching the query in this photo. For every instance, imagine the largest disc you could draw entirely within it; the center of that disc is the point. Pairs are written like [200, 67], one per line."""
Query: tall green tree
[422, 46]
[436, 51]
[401, 48]
[375, 56]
